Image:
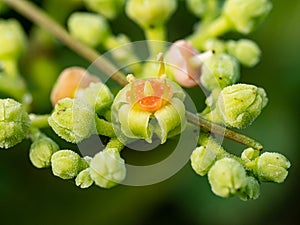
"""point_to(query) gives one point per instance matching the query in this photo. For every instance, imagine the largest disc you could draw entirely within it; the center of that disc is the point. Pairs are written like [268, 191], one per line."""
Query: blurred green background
[32, 196]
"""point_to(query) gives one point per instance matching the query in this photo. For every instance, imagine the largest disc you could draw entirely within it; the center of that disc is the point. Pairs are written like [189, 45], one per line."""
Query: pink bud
[179, 58]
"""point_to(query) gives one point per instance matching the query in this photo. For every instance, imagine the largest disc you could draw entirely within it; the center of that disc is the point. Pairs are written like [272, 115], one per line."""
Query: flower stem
[115, 144]
[214, 29]
[104, 127]
[39, 121]
[156, 37]
[218, 27]
[220, 130]
[36, 15]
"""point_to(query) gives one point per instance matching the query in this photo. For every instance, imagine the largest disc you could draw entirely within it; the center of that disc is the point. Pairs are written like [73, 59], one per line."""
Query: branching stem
[40, 18]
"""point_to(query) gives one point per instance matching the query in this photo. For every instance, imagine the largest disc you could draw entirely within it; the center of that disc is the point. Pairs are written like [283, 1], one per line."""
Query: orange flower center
[149, 95]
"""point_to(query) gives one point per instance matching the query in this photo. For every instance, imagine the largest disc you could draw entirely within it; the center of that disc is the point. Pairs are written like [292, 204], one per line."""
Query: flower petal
[135, 123]
[170, 117]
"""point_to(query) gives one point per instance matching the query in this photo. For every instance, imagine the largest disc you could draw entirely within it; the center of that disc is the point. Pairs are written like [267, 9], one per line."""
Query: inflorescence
[152, 103]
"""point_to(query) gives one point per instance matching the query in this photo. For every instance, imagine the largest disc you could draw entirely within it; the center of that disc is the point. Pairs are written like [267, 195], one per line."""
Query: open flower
[148, 106]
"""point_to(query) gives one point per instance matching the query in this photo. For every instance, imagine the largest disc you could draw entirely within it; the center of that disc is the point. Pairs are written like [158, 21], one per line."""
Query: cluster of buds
[79, 96]
[230, 175]
[152, 103]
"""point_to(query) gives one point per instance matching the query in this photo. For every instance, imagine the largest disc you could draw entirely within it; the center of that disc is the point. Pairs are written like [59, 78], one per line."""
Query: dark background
[33, 196]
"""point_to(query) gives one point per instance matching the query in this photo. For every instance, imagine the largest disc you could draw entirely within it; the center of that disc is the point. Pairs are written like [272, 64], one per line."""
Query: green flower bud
[66, 164]
[72, 120]
[251, 190]
[246, 51]
[249, 154]
[240, 104]
[219, 71]
[216, 45]
[202, 159]
[84, 179]
[97, 95]
[227, 177]
[108, 8]
[272, 166]
[41, 151]
[107, 168]
[211, 143]
[12, 39]
[91, 29]
[158, 102]
[197, 7]
[152, 13]
[14, 123]
[246, 15]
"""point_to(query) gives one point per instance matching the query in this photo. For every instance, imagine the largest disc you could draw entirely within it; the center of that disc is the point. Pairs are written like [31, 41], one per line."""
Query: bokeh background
[33, 196]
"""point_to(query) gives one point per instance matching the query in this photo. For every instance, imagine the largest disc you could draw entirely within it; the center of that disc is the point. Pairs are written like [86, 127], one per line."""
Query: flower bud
[41, 151]
[178, 60]
[72, 120]
[97, 95]
[249, 154]
[227, 177]
[197, 7]
[240, 104]
[215, 45]
[246, 15]
[12, 39]
[107, 168]
[251, 191]
[152, 13]
[84, 179]
[272, 166]
[66, 164]
[14, 123]
[202, 159]
[69, 81]
[89, 28]
[108, 8]
[245, 51]
[219, 71]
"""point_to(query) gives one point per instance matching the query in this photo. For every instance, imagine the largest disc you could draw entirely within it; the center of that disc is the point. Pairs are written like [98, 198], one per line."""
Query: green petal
[135, 123]
[177, 90]
[170, 117]
[138, 122]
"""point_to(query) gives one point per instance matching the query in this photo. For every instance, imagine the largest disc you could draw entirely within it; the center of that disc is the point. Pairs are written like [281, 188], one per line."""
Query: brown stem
[222, 131]
[37, 16]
